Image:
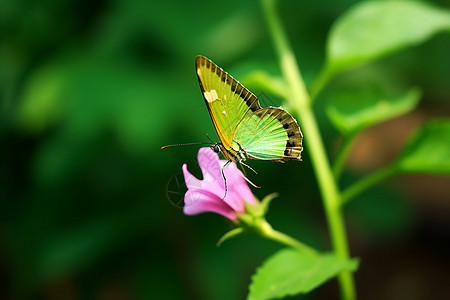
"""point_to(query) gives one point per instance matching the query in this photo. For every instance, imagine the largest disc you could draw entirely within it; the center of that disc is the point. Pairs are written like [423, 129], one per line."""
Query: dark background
[90, 91]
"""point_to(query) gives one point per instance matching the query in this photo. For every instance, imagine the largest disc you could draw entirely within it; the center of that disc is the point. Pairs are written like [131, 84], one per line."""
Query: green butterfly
[246, 130]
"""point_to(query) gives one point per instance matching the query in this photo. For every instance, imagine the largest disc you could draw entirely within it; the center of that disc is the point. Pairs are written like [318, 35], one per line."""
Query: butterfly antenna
[185, 144]
[207, 135]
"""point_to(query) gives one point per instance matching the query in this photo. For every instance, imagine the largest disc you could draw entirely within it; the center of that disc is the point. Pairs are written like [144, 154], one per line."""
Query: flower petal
[209, 163]
[191, 181]
[210, 185]
[208, 194]
[201, 201]
[237, 189]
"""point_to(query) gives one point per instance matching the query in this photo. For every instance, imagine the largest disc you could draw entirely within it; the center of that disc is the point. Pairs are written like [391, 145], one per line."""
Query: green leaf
[355, 110]
[230, 234]
[371, 30]
[266, 201]
[428, 150]
[290, 272]
[259, 79]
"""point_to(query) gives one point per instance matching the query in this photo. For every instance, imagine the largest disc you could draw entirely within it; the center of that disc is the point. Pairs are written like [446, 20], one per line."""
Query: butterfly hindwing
[270, 134]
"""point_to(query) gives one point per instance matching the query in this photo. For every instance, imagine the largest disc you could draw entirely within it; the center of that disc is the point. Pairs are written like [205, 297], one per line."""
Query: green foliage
[369, 31]
[353, 111]
[289, 272]
[373, 29]
[428, 150]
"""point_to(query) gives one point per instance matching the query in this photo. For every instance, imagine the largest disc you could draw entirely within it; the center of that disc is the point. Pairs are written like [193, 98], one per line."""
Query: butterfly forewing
[228, 101]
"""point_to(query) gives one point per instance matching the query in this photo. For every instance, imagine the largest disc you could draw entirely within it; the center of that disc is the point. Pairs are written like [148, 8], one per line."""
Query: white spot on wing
[224, 112]
[211, 95]
[199, 72]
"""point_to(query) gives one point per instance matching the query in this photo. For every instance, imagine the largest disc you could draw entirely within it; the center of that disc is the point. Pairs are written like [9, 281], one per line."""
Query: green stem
[367, 182]
[266, 230]
[300, 102]
[320, 82]
[341, 157]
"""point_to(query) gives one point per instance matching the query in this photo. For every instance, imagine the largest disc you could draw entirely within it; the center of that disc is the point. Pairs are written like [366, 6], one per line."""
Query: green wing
[228, 101]
[270, 134]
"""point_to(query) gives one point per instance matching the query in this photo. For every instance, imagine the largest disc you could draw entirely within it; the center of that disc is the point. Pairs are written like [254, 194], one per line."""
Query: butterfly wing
[270, 134]
[228, 101]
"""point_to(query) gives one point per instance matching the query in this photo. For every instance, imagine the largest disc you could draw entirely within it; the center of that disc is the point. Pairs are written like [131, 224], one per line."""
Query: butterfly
[246, 130]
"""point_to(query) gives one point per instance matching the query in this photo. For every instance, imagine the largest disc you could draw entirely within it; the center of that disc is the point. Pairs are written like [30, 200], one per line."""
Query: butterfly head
[236, 155]
[215, 147]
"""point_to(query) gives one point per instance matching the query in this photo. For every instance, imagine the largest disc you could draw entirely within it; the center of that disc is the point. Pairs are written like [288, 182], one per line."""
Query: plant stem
[341, 157]
[320, 82]
[300, 102]
[367, 182]
[266, 230]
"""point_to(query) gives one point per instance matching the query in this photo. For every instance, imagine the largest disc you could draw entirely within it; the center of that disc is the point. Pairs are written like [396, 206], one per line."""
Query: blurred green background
[90, 205]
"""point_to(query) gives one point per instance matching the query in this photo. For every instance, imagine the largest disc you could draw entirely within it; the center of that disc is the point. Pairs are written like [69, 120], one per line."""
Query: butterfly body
[246, 130]
[236, 155]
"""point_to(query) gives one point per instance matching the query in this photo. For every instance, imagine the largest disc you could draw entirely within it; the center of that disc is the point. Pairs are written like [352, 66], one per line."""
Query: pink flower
[207, 195]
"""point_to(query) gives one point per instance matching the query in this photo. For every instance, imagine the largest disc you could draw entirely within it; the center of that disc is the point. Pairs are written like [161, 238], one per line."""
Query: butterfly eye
[215, 148]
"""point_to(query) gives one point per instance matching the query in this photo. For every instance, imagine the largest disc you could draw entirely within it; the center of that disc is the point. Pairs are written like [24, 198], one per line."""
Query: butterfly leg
[241, 162]
[254, 185]
[224, 178]
[245, 175]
